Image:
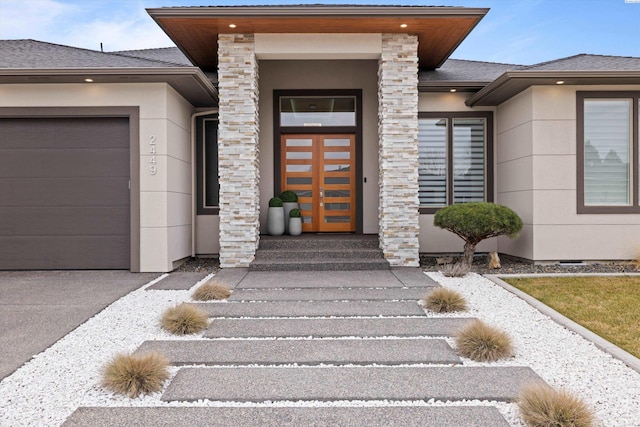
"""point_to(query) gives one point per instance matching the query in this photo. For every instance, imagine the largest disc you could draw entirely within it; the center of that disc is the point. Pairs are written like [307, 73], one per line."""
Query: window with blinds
[432, 167]
[468, 160]
[607, 152]
[607, 132]
[453, 158]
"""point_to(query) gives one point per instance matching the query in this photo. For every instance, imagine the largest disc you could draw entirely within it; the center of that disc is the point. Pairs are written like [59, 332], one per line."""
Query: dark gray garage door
[64, 193]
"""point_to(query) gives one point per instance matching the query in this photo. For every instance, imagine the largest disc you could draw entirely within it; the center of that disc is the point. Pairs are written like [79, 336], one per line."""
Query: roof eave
[320, 10]
[511, 83]
[190, 82]
[447, 85]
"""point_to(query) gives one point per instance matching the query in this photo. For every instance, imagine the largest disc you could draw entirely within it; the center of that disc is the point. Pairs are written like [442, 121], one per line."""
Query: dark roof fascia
[511, 83]
[446, 85]
[190, 82]
[314, 10]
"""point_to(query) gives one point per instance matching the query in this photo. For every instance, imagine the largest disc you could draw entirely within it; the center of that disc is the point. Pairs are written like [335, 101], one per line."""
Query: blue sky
[514, 31]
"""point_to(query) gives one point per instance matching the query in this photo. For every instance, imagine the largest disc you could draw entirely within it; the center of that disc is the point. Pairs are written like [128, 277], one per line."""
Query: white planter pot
[295, 226]
[276, 223]
[287, 208]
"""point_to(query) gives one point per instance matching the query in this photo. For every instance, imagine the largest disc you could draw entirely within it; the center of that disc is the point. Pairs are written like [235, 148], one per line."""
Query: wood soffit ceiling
[439, 29]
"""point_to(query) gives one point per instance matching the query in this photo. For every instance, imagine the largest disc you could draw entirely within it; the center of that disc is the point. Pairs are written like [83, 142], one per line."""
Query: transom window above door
[298, 111]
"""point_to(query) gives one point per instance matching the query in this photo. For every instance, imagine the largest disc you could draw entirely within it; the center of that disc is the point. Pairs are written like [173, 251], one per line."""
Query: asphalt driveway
[37, 308]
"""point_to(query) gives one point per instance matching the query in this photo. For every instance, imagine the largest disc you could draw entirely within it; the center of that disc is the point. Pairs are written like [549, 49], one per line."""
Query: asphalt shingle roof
[171, 55]
[463, 70]
[588, 62]
[33, 54]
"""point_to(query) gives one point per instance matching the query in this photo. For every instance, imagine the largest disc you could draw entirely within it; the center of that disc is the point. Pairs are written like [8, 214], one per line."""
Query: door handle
[321, 196]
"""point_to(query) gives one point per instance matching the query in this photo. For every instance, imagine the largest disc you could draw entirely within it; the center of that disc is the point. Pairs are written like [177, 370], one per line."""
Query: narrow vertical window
[208, 188]
[468, 160]
[432, 168]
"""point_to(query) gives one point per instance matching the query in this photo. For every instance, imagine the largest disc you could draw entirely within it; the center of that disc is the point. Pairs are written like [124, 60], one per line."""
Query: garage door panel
[61, 163]
[99, 221]
[64, 192]
[64, 132]
[60, 253]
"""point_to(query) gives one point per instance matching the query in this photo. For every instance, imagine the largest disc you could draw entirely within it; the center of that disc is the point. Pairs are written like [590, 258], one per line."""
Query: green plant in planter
[289, 196]
[295, 222]
[294, 213]
[275, 202]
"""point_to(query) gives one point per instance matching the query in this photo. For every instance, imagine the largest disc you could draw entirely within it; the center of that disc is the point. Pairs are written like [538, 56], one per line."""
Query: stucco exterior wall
[537, 178]
[165, 198]
[433, 239]
[316, 74]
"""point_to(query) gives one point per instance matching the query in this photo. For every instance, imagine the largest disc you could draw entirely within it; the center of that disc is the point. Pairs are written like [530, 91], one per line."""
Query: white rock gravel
[561, 357]
[47, 389]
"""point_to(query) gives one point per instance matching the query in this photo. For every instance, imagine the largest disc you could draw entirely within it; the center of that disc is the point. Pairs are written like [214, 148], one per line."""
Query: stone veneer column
[238, 149]
[398, 149]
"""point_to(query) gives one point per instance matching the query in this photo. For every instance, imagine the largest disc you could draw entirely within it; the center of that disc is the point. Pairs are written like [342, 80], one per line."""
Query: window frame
[634, 207]
[201, 208]
[450, 116]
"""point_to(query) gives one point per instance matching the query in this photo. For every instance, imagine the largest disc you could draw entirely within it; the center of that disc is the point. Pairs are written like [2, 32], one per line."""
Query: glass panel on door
[321, 170]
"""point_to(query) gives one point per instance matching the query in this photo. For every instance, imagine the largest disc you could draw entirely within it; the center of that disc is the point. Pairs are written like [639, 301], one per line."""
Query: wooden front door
[320, 168]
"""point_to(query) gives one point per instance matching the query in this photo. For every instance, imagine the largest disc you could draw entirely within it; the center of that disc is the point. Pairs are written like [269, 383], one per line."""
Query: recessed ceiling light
[560, 82]
[403, 25]
[452, 90]
[88, 80]
[232, 25]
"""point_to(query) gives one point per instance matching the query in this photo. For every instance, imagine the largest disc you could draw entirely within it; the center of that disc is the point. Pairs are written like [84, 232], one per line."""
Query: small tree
[477, 221]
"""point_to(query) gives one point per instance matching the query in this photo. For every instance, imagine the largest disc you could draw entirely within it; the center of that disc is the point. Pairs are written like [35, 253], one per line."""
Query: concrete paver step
[318, 264]
[230, 276]
[311, 308]
[331, 294]
[305, 253]
[407, 416]
[326, 279]
[338, 327]
[413, 276]
[307, 241]
[304, 352]
[257, 384]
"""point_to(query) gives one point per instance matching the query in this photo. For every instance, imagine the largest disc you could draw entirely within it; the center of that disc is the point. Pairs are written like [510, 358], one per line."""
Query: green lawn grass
[608, 306]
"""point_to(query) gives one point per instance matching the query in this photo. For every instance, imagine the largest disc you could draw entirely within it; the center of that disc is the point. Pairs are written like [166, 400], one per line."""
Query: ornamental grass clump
[443, 300]
[133, 374]
[543, 406]
[483, 343]
[184, 319]
[211, 291]
[455, 270]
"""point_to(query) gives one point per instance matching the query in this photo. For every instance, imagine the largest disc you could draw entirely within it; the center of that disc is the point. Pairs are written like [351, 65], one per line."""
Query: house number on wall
[152, 149]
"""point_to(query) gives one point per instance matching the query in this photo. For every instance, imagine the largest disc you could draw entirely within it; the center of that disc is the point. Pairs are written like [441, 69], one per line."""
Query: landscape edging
[606, 346]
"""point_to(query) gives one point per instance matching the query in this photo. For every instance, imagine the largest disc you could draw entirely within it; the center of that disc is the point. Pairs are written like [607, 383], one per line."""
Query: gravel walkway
[46, 390]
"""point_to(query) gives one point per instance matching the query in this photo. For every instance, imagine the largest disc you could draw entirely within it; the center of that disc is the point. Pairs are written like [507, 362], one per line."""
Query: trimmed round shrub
[211, 291]
[133, 374]
[289, 196]
[275, 202]
[294, 213]
[443, 300]
[483, 343]
[473, 222]
[543, 406]
[184, 319]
